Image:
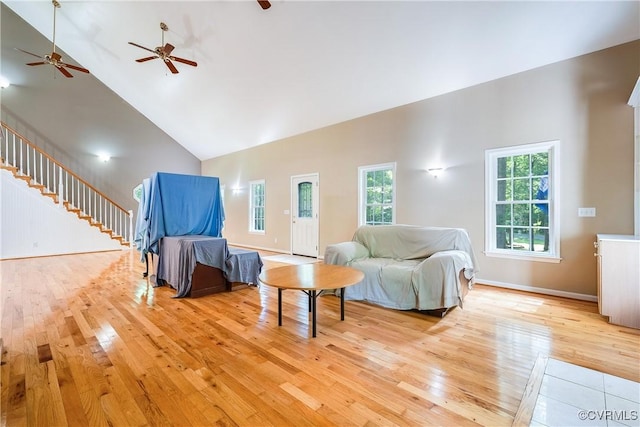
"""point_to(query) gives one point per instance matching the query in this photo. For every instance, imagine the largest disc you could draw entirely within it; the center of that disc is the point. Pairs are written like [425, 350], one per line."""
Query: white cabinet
[619, 278]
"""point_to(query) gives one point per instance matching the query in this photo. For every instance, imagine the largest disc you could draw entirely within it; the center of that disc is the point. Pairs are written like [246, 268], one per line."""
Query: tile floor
[571, 395]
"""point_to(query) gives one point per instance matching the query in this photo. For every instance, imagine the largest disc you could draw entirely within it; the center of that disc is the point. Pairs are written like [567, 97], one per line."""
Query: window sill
[256, 232]
[524, 257]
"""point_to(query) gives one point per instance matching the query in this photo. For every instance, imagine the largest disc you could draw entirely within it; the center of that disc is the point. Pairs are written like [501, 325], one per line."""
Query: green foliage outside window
[379, 197]
[257, 206]
[522, 208]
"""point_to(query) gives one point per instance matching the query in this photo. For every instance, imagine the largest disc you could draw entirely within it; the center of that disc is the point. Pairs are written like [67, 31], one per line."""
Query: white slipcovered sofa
[408, 267]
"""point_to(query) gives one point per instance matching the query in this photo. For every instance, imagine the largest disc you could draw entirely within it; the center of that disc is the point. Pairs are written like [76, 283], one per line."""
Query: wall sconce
[104, 157]
[4, 82]
[436, 172]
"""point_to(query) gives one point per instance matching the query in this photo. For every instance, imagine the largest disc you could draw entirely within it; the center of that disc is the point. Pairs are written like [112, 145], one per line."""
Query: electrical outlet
[587, 212]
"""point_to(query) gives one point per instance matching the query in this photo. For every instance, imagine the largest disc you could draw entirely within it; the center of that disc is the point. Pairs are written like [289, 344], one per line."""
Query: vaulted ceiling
[264, 75]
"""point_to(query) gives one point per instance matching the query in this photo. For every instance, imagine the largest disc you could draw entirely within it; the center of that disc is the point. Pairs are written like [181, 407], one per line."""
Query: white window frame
[362, 189]
[252, 206]
[491, 173]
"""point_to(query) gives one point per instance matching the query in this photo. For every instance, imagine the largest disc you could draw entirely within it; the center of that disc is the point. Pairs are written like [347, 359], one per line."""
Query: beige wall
[581, 102]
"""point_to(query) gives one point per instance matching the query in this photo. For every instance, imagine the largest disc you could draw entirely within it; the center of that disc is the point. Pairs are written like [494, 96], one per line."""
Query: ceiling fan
[164, 52]
[54, 58]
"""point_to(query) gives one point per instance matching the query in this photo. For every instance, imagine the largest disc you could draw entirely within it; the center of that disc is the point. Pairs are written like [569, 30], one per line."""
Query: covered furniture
[179, 222]
[202, 265]
[177, 205]
[408, 267]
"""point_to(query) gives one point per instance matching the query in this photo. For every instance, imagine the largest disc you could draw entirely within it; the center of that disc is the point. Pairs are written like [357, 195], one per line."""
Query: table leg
[342, 304]
[313, 312]
[309, 295]
[279, 306]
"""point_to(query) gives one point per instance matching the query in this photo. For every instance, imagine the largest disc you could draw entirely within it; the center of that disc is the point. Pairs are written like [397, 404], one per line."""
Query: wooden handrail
[36, 148]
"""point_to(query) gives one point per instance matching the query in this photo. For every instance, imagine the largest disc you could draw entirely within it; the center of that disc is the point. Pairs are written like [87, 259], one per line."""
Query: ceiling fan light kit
[54, 58]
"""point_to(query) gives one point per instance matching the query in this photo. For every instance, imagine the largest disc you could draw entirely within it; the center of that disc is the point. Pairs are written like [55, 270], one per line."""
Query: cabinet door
[607, 275]
[599, 270]
[620, 281]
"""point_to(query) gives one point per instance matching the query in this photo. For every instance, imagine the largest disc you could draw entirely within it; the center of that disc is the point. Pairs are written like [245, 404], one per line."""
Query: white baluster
[60, 188]
[21, 164]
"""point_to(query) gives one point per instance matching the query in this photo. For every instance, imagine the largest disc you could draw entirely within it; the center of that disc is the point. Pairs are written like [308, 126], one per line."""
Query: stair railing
[41, 171]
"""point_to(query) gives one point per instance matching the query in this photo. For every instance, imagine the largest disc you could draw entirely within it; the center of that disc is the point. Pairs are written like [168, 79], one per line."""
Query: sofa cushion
[387, 282]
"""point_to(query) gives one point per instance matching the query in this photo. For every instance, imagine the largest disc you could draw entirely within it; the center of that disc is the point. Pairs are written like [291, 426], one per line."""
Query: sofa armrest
[344, 253]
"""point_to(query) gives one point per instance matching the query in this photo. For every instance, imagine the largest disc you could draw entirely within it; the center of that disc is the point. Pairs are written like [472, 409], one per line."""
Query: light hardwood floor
[88, 342]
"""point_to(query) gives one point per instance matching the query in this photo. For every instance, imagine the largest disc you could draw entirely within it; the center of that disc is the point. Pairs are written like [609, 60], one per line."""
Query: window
[222, 200]
[256, 206]
[377, 194]
[522, 202]
[305, 200]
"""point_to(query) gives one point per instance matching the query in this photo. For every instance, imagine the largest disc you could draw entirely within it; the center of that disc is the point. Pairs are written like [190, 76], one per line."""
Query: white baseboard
[544, 291]
[259, 248]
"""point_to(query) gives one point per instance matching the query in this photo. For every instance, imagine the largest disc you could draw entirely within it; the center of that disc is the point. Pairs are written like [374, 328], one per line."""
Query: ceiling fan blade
[171, 67]
[148, 58]
[73, 67]
[36, 63]
[184, 61]
[28, 53]
[168, 48]
[142, 47]
[264, 4]
[65, 72]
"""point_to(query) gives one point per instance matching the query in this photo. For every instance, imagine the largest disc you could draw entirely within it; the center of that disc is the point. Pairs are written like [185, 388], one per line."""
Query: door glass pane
[305, 200]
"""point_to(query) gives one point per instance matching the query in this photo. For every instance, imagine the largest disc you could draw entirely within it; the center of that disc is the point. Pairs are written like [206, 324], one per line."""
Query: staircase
[29, 163]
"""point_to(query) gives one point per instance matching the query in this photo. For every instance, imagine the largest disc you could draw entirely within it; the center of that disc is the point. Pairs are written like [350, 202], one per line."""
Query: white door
[304, 215]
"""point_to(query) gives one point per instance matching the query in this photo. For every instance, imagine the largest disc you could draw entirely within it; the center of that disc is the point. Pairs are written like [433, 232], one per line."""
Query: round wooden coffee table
[312, 279]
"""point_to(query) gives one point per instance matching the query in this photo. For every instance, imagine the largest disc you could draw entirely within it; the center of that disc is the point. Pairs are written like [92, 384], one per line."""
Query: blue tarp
[178, 205]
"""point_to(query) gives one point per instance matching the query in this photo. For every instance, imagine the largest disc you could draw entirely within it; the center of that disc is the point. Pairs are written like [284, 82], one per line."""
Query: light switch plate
[587, 212]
